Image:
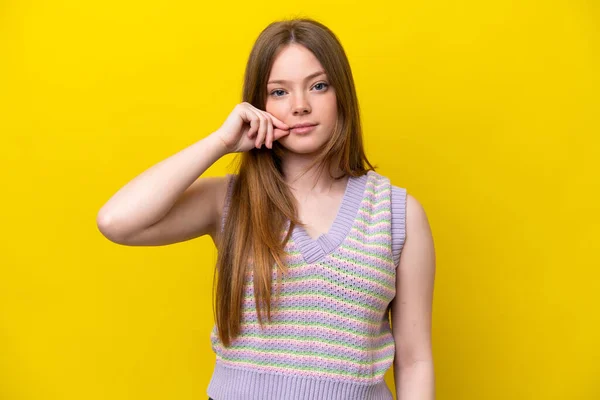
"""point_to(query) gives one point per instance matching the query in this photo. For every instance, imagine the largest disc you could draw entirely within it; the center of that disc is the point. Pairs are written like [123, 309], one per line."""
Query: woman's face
[298, 92]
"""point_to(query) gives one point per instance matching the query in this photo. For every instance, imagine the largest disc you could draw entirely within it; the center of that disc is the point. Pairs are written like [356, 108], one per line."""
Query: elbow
[409, 355]
[402, 361]
[109, 229]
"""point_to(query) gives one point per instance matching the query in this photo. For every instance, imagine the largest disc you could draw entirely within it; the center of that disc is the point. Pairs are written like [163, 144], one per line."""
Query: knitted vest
[330, 336]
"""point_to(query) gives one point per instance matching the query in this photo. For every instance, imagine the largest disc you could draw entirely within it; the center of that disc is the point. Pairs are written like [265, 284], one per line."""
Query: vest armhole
[227, 200]
[398, 201]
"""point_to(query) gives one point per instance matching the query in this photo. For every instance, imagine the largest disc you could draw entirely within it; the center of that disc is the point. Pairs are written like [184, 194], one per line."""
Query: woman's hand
[247, 127]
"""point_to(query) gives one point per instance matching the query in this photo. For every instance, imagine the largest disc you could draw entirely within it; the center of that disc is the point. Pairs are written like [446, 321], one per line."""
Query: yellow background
[486, 111]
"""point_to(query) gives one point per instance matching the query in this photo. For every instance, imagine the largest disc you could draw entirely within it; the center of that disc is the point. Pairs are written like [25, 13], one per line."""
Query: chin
[301, 146]
[300, 149]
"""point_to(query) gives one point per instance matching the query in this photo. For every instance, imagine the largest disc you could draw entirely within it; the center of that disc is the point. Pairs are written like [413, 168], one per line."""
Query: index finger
[278, 123]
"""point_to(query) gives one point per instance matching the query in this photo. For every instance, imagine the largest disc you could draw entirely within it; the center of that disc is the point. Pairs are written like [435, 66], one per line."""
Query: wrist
[216, 143]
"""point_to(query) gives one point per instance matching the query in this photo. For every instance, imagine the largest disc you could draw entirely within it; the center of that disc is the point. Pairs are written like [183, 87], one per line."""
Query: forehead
[293, 63]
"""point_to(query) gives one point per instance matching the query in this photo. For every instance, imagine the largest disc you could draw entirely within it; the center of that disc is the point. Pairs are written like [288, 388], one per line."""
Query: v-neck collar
[315, 249]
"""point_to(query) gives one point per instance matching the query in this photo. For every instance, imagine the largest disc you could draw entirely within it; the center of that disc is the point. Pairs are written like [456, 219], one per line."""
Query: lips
[303, 125]
[302, 129]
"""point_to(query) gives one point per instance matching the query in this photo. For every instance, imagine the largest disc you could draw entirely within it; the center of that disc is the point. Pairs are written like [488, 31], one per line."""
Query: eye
[321, 84]
[277, 91]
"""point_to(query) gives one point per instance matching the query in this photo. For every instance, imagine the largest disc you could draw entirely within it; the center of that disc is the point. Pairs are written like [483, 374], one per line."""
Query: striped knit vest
[330, 336]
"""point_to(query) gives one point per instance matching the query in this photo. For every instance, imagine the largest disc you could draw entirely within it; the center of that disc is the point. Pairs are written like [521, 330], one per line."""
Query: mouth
[303, 128]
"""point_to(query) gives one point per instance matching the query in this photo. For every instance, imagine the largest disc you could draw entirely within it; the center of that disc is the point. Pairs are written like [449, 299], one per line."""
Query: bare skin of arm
[412, 309]
[171, 202]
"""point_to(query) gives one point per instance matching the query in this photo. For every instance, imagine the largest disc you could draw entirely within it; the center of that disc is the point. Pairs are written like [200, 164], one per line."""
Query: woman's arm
[412, 308]
[167, 203]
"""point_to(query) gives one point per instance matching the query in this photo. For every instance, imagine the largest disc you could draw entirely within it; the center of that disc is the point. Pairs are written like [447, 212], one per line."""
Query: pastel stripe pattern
[330, 336]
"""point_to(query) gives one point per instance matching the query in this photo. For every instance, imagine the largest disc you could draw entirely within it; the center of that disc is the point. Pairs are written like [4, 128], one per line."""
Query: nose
[301, 105]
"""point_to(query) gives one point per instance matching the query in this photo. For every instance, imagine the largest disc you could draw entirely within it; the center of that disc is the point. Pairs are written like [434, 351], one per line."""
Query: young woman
[316, 249]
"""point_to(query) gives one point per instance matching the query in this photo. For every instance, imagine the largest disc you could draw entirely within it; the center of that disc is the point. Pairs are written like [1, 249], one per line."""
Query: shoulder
[413, 209]
[415, 212]
[418, 229]
[408, 214]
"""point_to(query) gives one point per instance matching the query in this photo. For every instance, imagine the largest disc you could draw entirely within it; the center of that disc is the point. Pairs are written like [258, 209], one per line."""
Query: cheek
[331, 107]
[274, 109]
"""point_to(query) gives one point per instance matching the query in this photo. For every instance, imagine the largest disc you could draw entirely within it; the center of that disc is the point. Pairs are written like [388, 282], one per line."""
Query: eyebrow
[307, 78]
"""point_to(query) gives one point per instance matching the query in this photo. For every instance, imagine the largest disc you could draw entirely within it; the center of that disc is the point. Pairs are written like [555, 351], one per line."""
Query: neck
[315, 180]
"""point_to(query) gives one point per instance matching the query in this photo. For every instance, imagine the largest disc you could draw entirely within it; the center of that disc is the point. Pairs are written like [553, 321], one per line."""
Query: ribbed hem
[241, 384]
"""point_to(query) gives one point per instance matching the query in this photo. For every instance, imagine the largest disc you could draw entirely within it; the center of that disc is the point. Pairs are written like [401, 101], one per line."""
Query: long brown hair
[261, 202]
